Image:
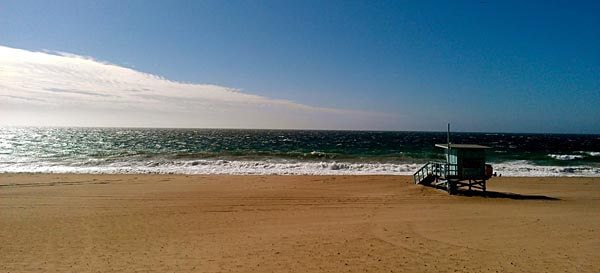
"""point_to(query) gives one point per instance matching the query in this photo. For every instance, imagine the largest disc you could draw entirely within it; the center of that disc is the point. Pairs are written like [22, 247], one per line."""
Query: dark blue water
[280, 151]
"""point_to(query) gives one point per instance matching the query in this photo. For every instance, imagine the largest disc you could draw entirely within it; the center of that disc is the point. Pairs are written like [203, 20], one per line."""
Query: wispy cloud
[63, 87]
[20, 98]
[81, 92]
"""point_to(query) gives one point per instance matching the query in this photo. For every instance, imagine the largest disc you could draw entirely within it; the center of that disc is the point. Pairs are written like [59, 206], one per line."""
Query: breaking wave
[565, 157]
[590, 153]
[280, 152]
[238, 167]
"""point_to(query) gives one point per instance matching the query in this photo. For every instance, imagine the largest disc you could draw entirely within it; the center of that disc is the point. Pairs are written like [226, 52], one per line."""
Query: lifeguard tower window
[472, 163]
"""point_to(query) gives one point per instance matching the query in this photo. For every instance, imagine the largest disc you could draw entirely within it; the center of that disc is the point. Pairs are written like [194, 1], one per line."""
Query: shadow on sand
[507, 195]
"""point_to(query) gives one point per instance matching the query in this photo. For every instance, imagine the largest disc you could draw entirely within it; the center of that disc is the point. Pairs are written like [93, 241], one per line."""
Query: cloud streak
[90, 93]
[57, 88]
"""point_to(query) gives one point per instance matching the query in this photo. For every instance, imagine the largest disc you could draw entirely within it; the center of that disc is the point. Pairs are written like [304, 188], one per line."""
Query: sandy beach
[179, 223]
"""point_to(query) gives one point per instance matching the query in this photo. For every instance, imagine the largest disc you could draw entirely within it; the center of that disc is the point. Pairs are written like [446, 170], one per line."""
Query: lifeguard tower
[464, 167]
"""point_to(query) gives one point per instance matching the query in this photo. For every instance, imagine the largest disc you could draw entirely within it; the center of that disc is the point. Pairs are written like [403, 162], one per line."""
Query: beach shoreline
[295, 223]
[282, 152]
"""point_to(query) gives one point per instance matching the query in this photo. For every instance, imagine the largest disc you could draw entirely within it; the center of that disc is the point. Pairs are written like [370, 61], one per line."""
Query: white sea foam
[565, 157]
[525, 168]
[590, 153]
[514, 168]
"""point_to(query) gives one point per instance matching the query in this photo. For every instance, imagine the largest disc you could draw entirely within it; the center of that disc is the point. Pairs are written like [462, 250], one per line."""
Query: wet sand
[178, 223]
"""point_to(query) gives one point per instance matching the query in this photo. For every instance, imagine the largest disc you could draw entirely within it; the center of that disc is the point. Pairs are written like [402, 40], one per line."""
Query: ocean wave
[240, 167]
[565, 157]
[590, 153]
[525, 168]
[220, 167]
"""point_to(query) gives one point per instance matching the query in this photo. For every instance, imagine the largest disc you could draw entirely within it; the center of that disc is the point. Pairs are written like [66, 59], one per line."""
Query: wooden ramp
[446, 176]
[434, 171]
[426, 174]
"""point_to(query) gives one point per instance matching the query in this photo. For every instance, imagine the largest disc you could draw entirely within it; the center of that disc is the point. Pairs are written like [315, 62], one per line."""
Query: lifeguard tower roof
[462, 146]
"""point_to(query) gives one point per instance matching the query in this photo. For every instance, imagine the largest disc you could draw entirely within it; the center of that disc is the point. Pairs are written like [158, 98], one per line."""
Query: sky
[492, 66]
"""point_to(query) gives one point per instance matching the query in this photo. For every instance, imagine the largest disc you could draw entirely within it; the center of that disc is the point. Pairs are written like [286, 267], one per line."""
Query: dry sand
[178, 223]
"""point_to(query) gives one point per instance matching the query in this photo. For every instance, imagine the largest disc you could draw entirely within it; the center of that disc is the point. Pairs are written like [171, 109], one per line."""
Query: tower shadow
[506, 195]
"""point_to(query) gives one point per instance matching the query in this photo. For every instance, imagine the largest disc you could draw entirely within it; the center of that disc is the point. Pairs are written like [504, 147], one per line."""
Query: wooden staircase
[428, 173]
[437, 173]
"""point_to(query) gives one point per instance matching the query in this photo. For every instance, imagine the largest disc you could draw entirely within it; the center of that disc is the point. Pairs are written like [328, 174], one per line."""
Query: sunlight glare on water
[223, 151]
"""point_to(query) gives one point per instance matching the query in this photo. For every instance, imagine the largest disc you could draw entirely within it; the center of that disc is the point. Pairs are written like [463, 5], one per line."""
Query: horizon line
[294, 129]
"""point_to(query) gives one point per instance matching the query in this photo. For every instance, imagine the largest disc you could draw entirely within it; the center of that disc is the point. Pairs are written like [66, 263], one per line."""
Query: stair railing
[420, 174]
[437, 169]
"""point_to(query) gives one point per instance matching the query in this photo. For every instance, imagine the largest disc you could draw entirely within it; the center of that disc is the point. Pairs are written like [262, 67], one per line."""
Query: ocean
[282, 152]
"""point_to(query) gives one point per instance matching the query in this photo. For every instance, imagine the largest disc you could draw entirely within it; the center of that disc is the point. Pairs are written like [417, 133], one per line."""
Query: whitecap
[565, 157]
[279, 167]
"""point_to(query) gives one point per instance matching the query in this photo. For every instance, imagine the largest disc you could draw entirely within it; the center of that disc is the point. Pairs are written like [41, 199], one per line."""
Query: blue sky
[481, 65]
